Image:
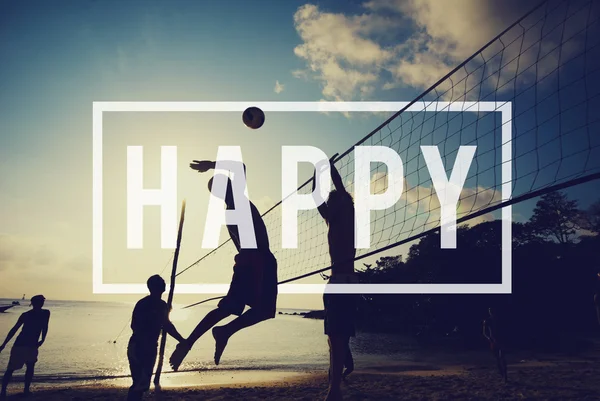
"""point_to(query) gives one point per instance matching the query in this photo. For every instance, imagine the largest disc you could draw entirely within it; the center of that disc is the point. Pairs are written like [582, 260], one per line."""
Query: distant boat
[4, 308]
[16, 303]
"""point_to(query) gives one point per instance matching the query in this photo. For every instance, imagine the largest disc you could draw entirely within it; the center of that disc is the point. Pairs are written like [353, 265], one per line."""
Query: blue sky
[58, 57]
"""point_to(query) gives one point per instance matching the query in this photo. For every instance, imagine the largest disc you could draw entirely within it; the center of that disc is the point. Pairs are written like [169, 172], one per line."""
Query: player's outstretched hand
[177, 357]
[201, 166]
[320, 166]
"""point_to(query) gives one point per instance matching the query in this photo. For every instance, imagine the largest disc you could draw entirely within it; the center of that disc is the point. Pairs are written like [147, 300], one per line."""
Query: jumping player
[493, 333]
[254, 282]
[340, 309]
[25, 349]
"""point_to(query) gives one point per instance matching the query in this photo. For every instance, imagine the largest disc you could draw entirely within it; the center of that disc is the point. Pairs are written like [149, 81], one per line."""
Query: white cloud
[338, 53]
[279, 87]
[421, 200]
[419, 210]
[300, 74]
[379, 183]
[415, 43]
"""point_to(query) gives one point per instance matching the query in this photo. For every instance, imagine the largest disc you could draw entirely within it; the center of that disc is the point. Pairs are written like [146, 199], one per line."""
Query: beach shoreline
[540, 381]
[388, 366]
[552, 377]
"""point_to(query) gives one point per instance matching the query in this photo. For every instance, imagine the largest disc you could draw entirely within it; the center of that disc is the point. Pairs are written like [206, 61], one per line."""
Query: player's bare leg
[502, 365]
[223, 333]
[5, 380]
[348, 361]
[28, 377]
[213, 317]
[337, 351]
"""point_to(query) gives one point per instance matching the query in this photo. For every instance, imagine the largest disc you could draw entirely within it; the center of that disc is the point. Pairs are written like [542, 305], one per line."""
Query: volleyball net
[539, 77]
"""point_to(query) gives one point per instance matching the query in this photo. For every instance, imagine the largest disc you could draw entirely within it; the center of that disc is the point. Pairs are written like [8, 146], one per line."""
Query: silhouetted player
[150, 316]
[340, 309]
[254, 282]
[597, 297]
[25, 348]
[494, 334]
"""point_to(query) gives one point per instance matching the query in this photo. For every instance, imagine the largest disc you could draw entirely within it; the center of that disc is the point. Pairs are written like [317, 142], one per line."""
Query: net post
[163, 340]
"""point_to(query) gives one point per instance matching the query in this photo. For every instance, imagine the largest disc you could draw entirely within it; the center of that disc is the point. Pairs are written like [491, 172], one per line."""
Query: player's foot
[179, 355]
[26, 393]
[221, 339]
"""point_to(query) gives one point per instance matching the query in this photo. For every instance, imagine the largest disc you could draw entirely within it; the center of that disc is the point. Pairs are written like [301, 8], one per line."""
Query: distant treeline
[556, 258]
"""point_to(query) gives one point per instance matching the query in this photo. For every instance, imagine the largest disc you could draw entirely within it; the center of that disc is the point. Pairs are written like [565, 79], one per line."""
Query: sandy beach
[558, 377]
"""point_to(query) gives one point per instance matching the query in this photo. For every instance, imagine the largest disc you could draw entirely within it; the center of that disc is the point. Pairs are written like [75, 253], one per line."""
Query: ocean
[80, 343]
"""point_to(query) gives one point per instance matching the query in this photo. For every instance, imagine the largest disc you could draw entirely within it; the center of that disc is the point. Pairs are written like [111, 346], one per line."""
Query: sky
[59, 57]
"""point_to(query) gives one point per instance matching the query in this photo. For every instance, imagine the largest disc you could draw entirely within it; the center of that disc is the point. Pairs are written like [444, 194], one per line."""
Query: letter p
[292, 200]
[364, 200]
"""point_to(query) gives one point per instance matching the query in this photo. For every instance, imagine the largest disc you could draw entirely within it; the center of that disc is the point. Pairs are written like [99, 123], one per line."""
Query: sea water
[80, 343]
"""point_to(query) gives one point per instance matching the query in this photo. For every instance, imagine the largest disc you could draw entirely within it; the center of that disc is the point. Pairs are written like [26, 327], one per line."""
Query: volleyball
[253, 117]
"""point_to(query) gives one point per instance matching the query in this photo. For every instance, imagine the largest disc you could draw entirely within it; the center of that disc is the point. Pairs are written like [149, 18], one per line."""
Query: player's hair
[156, 283]
[37, 300]
[337, 197]
[229, 184]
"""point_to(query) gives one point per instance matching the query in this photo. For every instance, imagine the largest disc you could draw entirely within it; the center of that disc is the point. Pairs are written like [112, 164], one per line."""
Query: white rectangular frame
[505, 108]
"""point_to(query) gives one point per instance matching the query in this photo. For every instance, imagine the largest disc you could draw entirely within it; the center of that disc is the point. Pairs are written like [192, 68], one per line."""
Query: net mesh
[546, 65]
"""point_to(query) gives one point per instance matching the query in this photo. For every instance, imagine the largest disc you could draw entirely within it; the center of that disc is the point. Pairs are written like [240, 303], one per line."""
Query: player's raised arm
[485, 334]
[203, 166]
[322, 208]
[335, 175]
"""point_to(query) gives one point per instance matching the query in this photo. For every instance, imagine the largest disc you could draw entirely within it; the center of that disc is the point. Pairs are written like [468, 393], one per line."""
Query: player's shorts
[254, 283]
[340, 309]
[21, 355]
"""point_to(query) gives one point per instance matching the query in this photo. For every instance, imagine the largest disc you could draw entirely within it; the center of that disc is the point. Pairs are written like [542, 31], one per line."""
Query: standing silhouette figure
[597, 297]
[150, 317]
[493, 331]
[340, 309]
[25, 348]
